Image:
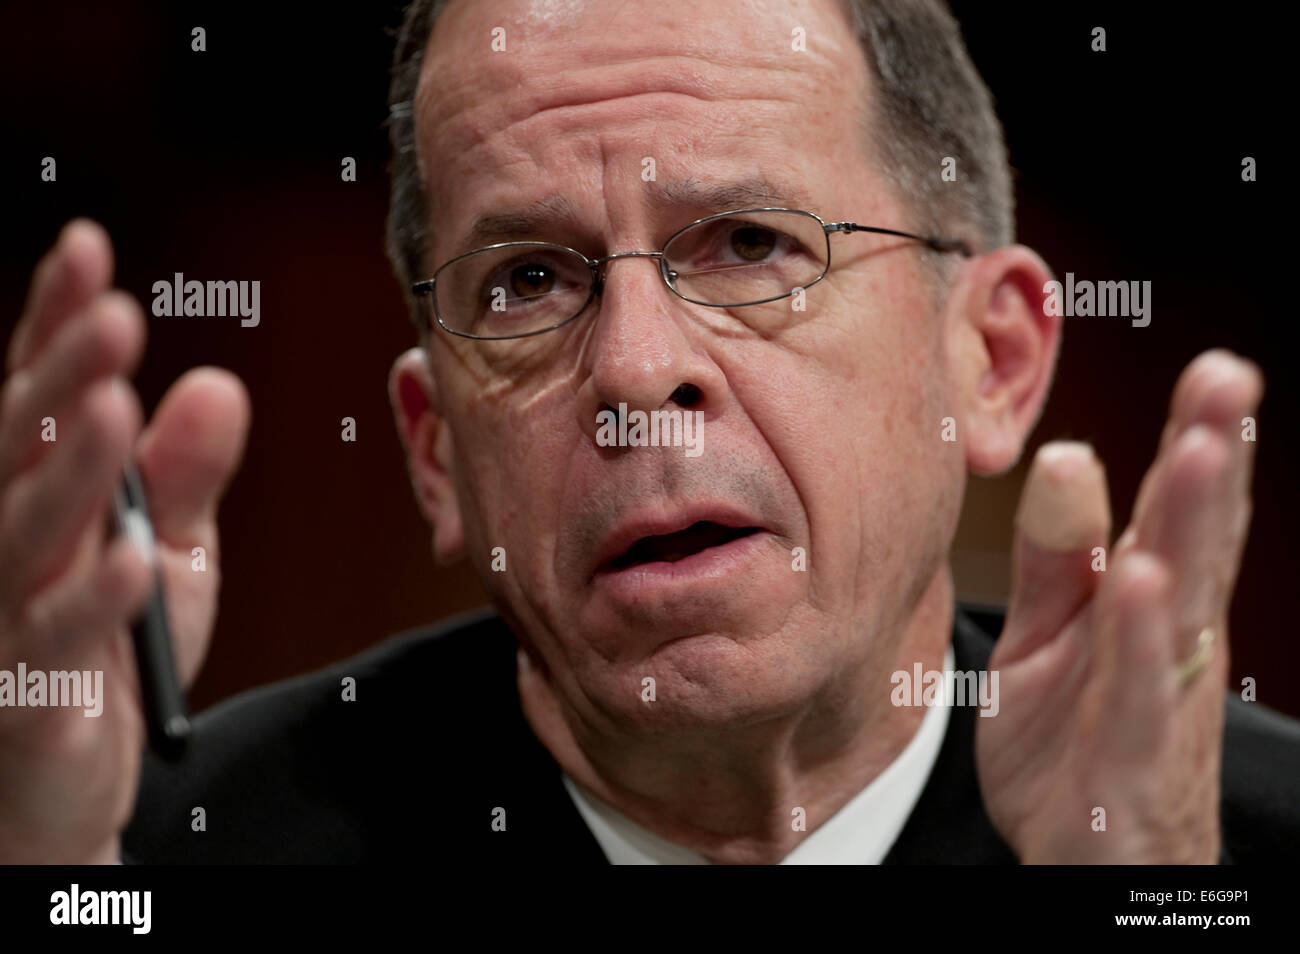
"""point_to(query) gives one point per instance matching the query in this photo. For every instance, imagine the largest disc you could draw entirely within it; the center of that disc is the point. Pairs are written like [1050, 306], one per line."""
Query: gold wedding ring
[1191, 667]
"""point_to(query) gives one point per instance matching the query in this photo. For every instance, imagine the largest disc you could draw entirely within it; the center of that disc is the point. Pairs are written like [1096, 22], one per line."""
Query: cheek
[867, 455]
[919, 460]
[511, 460]
[912, 416]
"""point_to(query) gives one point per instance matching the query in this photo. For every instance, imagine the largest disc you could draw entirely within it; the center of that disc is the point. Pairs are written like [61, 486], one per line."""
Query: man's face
[821, 427]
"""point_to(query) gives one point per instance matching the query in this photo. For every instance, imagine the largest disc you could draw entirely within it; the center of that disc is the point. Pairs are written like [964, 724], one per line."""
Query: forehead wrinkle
[495, 112]
[459, 109]
[510, 154]
[517, 120]
[694, 76]
[539, 218]
[566, 50]
[519, 213]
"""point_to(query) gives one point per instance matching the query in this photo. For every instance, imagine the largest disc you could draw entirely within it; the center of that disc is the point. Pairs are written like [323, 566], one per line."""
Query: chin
[714, 680]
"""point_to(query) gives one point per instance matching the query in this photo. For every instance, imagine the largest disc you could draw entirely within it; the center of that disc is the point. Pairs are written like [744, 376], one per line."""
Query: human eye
[518, 291]
[736, 241]
[524, 279]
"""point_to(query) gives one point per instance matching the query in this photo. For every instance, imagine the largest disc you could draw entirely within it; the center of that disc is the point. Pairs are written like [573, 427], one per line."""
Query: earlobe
[1010, 351]
[430, 451]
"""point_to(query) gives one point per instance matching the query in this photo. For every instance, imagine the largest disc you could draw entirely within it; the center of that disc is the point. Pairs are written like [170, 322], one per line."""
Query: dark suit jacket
[436, 740]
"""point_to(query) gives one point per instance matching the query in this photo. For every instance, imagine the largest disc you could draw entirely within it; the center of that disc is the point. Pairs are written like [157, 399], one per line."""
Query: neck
[729, 795]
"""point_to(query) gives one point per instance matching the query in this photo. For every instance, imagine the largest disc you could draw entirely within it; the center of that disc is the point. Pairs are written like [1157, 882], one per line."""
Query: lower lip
[709, 566]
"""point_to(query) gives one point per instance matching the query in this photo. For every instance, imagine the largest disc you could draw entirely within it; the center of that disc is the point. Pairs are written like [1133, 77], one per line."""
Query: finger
[45, 510]
[1218, 389]
[1198, 511]
[191, 448]
[190, 597]
[1134, 660]
[1064, 514]
[1215, 389]
[1187, 527]
[74, 271]
[107, 339]
[69, 618]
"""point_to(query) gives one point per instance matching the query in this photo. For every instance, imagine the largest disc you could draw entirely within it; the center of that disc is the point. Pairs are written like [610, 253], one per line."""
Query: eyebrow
[523, 223]
[541, 217]
[725, 196]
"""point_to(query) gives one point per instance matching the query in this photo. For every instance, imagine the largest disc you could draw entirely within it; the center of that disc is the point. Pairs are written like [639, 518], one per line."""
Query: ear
[426, 438]
[1003, 347]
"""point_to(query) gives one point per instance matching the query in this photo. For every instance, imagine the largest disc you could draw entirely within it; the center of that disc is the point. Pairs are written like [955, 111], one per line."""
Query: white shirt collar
[862, 832]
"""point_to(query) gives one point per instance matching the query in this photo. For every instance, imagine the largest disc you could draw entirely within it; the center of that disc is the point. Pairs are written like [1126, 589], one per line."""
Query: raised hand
[1111, 688]
[67, 592]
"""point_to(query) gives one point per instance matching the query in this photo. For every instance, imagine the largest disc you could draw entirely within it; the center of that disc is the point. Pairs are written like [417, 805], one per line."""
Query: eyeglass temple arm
[420, 289]
[934, 242]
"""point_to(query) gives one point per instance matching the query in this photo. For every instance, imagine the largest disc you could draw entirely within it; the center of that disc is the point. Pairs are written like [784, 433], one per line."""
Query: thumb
[1064, 513]
[191, 447]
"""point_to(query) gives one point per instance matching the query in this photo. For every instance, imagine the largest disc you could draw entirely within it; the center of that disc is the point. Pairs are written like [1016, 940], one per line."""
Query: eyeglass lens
[727, 261]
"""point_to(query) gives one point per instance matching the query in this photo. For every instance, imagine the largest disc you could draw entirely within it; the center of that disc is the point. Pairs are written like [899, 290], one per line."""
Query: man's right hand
[67, 590]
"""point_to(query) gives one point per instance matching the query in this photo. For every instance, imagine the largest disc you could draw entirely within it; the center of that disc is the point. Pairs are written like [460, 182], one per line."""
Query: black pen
[165, 711]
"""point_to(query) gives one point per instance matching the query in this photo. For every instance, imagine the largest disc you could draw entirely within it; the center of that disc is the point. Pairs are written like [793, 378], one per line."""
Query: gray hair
[930, 104]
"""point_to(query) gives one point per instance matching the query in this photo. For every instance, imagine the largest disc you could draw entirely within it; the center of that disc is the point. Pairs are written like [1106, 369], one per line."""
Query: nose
[646, 350]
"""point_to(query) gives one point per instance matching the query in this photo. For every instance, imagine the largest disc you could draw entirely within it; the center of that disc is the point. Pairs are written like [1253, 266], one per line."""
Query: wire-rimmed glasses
[728, 260]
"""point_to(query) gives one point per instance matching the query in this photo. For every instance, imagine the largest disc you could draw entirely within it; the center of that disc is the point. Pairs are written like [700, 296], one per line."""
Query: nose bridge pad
[600, 268]
[669, 276]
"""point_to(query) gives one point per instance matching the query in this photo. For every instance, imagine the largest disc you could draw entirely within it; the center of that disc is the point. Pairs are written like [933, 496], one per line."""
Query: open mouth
[671, 547]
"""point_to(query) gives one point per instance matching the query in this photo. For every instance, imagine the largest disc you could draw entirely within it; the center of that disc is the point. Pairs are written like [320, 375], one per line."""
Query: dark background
[225, 165]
